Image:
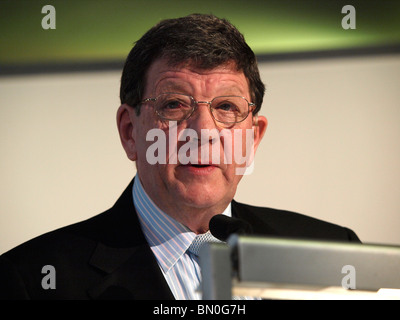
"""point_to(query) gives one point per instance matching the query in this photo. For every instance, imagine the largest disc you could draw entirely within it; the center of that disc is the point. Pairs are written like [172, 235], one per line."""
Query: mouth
[199, 169]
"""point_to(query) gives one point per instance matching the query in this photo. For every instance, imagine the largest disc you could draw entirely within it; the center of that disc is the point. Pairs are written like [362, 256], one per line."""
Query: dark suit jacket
[107, 256]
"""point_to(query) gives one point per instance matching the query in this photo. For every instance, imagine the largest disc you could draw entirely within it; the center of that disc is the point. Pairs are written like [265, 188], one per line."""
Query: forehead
[185, 78]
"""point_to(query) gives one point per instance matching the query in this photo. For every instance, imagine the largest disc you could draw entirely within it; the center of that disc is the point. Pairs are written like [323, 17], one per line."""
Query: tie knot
[200, 240]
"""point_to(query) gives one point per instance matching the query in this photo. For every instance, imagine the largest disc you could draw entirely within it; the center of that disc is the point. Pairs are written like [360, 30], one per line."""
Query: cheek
[153, 145]
[239, 146]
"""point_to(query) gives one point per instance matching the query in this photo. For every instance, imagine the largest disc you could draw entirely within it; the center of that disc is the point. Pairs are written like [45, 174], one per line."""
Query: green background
[105, 30]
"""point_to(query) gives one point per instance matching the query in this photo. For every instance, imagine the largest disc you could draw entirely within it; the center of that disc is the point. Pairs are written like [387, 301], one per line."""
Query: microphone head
[222, 226]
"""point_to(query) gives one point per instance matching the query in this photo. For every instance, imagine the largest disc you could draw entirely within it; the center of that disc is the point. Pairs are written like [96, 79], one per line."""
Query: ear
[125, 123]
[260, 124]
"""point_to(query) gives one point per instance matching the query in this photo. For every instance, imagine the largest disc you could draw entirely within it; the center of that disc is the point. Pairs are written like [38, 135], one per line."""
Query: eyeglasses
[178, 107]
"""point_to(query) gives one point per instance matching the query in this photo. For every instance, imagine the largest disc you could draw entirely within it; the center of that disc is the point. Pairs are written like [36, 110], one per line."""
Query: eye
[226, 106]
[173, 104]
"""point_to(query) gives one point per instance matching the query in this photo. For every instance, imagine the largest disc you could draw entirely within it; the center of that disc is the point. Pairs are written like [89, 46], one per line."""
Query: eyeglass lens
[227, 109]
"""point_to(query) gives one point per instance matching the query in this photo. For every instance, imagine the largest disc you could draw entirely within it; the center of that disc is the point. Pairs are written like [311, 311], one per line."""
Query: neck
[196, 219]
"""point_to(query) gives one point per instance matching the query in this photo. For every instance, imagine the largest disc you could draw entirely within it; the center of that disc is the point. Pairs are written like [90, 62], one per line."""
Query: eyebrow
[175, 87]
[185, 88]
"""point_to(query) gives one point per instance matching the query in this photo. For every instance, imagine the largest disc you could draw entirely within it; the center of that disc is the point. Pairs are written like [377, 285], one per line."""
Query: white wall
[331, 150]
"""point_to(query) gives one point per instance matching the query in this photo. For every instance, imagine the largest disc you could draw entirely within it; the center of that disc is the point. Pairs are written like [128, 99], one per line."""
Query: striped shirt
[169, 241]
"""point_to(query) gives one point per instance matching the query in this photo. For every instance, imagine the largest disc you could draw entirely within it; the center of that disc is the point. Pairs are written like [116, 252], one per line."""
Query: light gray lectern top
[280, 268]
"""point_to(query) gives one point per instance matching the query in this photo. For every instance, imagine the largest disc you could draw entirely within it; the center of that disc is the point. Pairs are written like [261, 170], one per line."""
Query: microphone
[222, 226]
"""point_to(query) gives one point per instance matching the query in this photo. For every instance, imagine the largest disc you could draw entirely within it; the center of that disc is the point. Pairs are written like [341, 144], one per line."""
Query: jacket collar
[123, 255]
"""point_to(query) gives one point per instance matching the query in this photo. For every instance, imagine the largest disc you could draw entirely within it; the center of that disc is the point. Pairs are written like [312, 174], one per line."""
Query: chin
[202, 199]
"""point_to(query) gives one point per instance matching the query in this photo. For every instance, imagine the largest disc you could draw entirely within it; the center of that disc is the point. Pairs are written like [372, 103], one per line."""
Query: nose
[201, 118]
[207, 132]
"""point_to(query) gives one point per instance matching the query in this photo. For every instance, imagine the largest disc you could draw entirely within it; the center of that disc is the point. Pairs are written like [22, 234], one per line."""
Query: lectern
[282, 268]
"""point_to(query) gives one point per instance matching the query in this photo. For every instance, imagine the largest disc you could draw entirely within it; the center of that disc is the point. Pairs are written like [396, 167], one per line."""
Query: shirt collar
[168, 238]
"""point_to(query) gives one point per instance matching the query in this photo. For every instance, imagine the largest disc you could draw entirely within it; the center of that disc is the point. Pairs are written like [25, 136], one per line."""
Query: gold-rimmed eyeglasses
[178, 107]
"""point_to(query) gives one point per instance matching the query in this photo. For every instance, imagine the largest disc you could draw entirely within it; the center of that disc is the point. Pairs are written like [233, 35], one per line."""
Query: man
[193, 83]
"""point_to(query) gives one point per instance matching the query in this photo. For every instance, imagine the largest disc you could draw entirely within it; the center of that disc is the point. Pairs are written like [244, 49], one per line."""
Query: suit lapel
[256, 217]
[123, 255]
[131, 273]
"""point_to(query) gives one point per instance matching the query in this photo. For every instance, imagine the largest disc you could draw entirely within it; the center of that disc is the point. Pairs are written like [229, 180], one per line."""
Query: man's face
[187, 188]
